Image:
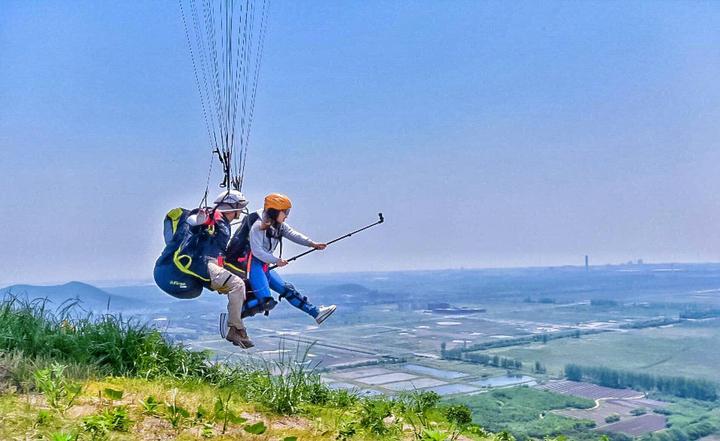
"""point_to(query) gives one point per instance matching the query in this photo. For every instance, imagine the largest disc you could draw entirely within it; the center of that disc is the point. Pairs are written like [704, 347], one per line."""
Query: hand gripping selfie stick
[380, 220]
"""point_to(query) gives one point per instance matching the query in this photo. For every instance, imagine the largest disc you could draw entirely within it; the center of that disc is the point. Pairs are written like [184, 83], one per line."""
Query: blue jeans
[261, 282]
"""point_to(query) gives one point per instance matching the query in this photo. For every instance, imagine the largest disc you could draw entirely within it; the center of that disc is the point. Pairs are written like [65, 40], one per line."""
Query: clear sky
[489, 133]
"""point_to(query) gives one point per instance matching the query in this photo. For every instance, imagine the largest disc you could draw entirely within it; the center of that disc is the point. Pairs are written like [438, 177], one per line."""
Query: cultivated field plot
[386, 378]
[622, 408]
[399, 378]
[418, 383]
[437, 373]
[568, 314]
[622, 403]
[678, 350]
[504, 381]
[588, 390]
[393, 332]
[638, 425]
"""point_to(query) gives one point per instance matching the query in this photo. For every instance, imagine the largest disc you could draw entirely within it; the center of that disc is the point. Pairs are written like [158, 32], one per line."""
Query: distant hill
[90, 297]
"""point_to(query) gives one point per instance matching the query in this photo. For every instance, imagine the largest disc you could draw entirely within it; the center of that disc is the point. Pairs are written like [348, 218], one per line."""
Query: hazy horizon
[118, 282]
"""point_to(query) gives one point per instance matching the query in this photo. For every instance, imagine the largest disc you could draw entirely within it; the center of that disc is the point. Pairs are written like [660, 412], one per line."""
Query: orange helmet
[277, 201]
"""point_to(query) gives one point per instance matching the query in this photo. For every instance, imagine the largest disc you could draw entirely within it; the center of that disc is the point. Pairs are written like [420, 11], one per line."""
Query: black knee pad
[269, 304]
[291, 293]
[258, 306]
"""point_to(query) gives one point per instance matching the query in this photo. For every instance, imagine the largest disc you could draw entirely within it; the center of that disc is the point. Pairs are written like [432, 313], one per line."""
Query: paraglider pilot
[260, 235]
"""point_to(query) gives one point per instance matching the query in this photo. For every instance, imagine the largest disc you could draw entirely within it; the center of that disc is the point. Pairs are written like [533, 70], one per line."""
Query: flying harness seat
[239, 260]
[172, 271]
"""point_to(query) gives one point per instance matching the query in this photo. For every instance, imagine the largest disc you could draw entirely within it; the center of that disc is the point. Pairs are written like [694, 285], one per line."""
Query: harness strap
[178, 260]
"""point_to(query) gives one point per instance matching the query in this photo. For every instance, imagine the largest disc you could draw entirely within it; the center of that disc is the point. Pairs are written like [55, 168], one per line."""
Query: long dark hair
[272, 214]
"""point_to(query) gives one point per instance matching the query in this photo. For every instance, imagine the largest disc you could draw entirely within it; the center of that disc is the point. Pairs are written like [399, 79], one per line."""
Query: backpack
[239, 245]
[173, 219]
[172, 269]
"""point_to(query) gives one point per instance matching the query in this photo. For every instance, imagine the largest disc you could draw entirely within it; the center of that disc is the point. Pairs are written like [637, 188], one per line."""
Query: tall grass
[290, 381]
[32, 336]
[111, 344]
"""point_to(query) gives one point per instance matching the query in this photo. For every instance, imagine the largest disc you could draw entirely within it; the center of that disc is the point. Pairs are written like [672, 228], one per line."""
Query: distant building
[446, 308]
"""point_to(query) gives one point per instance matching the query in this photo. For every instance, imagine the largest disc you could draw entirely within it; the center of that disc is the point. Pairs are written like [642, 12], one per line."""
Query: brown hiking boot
[239, 337]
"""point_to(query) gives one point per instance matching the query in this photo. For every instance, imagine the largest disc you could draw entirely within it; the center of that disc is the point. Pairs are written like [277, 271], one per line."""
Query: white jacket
[262, 246]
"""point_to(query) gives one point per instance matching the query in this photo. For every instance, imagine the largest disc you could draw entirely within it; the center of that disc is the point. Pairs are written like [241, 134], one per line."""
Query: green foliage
[63, 436]
[458, 414]
[175, 414]
[224, 414]
[98, 426]
[109, 343]
[639, 411]
[415, 409]
[495, 360]
[573, 372]
[150, 405]
[205, 422]
[612, 418]
[347, 430]
[43, 418]
[678, 386]
[341, 399]
[689, 420]
[518, 411]
[113, 394]
[284, 385]
[256, 429]
[59, 392]
[435, 435]
[539, 368]
[372, 413]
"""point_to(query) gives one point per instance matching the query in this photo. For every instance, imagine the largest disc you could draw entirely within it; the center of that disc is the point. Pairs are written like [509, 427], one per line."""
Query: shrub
[99, 425]
[150, 405]
[459, 414]
[372, 413]
[59, 392]
[612, 418]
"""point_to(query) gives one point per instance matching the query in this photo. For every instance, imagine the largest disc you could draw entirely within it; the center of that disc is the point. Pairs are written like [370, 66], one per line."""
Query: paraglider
[226, 40]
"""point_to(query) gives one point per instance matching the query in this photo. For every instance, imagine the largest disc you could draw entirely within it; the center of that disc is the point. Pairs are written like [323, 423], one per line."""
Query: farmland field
[680, 349]
[526, 412]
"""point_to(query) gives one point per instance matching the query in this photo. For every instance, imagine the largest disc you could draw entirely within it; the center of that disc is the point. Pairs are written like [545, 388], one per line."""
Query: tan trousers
[225, 282]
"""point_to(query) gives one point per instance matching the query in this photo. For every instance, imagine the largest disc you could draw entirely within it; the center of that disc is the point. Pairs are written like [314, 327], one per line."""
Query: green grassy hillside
[64, 377]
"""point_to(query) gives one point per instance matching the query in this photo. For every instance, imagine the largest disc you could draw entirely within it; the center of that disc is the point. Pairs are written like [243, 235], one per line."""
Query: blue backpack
[172, 269]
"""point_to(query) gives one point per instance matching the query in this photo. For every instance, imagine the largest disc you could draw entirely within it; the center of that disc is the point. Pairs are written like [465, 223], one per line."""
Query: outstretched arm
[299, 238]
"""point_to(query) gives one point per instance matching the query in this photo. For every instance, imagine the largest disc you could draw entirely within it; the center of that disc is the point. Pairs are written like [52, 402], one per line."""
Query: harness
[183, 262]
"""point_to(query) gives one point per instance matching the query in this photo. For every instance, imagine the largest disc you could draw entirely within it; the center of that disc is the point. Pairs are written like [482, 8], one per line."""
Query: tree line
[678, 386]
[456, 353]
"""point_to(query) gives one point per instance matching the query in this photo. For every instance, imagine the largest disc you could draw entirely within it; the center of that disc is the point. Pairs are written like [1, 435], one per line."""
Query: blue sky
[489, 133]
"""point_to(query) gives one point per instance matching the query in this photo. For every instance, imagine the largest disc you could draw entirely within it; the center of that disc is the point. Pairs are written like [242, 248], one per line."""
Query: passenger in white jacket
[265, 235]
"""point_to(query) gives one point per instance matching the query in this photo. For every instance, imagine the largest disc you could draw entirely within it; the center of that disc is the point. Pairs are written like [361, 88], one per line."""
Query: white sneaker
[324, 312]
